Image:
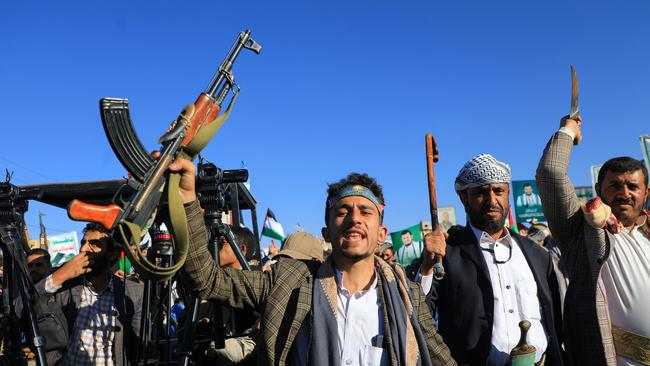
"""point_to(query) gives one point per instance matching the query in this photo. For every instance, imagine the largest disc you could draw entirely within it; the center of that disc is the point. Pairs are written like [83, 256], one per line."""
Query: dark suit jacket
[283, 296]
[465, 302]
[129, 307]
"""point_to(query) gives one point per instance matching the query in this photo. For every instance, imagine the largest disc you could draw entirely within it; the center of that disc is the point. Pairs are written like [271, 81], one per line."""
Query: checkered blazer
[588, 336]
[283, 297]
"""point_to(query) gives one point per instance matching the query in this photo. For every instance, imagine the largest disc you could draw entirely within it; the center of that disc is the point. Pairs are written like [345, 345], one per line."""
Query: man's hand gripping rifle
[185, 138]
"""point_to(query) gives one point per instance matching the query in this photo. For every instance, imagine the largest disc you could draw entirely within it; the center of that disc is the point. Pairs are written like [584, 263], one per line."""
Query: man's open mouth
[353, 235]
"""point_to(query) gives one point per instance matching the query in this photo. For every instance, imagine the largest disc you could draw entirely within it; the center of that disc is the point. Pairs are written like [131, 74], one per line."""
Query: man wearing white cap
[495, 277]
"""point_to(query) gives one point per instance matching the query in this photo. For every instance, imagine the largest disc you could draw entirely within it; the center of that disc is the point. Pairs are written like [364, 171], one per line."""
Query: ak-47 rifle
[186, 137]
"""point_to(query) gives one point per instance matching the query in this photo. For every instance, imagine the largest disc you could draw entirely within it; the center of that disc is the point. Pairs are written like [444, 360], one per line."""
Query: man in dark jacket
[103, 311]
[495, 277]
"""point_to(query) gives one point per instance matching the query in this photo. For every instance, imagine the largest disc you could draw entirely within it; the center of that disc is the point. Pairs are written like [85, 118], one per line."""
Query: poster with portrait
[446, 217]
[527, 203]
[407, 244]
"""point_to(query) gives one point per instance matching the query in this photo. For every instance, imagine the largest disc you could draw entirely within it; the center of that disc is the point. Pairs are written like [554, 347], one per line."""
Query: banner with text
[585, 193]
[62, 247]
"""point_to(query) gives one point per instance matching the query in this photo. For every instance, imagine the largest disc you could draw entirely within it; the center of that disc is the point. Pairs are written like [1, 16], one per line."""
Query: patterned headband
[356, 190]
[481, 170]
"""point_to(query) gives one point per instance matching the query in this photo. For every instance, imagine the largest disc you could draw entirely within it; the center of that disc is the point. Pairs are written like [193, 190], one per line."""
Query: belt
[631, 345]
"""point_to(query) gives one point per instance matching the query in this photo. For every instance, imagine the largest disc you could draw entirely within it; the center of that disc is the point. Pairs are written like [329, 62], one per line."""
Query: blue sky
[340, 86]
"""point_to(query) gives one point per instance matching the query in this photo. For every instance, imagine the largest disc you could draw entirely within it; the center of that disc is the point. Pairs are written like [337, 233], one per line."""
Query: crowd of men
[585, 292]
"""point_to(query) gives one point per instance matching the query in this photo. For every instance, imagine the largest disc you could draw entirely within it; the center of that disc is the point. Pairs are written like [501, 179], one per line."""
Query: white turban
[481, 170]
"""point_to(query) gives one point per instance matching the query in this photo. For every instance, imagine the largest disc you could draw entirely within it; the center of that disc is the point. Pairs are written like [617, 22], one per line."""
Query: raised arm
[240, 289]
[559, 200]
[237, 288]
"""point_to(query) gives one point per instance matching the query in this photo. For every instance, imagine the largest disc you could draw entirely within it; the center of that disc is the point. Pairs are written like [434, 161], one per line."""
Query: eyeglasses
[501, 253]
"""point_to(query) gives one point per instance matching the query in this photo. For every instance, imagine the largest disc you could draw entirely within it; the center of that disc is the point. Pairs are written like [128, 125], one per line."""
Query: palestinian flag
[272, 227]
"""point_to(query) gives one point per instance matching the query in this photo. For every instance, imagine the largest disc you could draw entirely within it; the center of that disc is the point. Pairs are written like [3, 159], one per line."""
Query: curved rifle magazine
[124, 141]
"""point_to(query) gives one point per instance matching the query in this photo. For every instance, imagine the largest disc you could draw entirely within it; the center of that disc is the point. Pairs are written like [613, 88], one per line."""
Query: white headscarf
[481, 170]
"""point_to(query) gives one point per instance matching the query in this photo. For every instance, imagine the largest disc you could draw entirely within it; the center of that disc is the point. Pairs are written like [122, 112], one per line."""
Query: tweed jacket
[283, 296]
[129, 308]
[588, 336]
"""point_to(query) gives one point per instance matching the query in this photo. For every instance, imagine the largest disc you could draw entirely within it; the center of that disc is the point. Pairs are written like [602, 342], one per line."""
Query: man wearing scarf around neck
[495, 278]
[354, 309]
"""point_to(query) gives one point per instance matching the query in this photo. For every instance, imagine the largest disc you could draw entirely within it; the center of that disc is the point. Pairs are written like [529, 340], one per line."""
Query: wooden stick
[432, 156]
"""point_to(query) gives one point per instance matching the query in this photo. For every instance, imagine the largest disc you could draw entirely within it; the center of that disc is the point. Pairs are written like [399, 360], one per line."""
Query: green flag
[272, 227]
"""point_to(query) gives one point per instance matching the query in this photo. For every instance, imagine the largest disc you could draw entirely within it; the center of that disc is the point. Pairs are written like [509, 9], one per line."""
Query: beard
[490, 225]
[355, 256]
[100, 264]
[344, 250]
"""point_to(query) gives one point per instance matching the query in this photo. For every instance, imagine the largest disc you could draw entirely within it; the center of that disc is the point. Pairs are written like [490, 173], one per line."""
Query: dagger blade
[574, 111]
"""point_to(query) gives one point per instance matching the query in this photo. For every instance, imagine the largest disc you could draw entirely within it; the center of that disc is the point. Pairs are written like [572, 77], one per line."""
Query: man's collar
[484, 238]
[644, 226]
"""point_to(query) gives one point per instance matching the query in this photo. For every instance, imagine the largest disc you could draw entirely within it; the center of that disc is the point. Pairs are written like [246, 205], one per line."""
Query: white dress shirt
[360, 323]
[626, 278]
[515, 297]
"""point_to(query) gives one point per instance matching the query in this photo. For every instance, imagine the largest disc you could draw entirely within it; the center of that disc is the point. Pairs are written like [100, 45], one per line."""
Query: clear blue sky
[340, 86]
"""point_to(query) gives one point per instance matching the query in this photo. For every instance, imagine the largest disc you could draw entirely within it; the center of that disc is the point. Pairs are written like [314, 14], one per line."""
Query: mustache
[485, 209]
[623, 201]
[352, 226]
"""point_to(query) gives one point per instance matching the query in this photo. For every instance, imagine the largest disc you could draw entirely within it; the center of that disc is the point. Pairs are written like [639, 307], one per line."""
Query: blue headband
[356, 190]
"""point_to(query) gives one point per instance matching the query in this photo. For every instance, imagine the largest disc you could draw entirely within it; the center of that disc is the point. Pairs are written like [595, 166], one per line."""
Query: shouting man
[353, 309]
